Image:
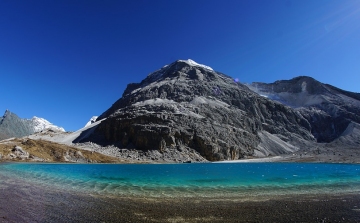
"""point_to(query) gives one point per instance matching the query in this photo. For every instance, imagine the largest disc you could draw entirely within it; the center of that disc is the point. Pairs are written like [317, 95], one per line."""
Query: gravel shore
[31, 203]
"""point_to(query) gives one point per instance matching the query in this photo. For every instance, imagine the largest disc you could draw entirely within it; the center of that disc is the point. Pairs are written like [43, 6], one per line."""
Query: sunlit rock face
[329, 110]
[186, 105]
[13, 126]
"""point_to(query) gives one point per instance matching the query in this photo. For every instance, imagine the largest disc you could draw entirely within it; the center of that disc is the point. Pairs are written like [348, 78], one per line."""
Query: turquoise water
[191, 180]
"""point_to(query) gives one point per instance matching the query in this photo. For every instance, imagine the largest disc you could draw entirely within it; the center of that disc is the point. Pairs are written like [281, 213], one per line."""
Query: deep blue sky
[66, 61]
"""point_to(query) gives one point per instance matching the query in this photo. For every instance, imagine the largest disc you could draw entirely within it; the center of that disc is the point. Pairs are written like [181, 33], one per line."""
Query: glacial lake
[189, 180]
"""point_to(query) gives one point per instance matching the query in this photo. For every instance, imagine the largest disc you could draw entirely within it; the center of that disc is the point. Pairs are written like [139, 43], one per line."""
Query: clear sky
[68, 60]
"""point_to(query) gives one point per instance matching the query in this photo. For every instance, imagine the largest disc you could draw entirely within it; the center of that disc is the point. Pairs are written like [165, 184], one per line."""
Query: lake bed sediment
[30, 203]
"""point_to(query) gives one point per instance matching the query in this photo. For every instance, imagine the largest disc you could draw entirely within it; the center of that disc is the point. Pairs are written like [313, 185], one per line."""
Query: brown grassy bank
[46, 151]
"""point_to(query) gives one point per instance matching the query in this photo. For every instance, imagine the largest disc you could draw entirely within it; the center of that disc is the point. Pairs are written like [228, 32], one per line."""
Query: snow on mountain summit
[156, 75]
[193, 63]
[40, 124]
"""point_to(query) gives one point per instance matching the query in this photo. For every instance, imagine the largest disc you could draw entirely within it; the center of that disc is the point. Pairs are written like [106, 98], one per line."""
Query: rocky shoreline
[23, 150]
[30, 203]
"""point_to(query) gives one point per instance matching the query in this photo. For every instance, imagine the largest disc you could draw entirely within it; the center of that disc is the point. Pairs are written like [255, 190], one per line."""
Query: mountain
[188, 106]
[40, 124]
[329, 110]
[13, 126]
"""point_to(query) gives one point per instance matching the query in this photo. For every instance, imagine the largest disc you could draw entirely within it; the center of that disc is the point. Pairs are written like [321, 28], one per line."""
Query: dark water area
[27, 194]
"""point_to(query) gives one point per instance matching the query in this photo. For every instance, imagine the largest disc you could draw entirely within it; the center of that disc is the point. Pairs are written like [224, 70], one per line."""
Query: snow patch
[303, 86]
[155, 101]
[40, 124]
[136, 90]
[193, 63]
[296, 100]
[212, 102]
[68, 138]
[91, 121]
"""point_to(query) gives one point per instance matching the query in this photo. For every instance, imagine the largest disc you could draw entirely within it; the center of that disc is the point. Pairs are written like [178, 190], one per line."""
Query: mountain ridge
[13, 126]
[329, 109]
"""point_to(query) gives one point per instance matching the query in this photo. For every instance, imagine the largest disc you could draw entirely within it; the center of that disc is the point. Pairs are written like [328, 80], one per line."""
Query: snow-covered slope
[91, 121]
[67, 138]
[40, 124]
[193, 63]
[158, 74]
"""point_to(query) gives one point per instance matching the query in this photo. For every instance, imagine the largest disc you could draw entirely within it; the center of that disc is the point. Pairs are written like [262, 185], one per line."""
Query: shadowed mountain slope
[328, 109]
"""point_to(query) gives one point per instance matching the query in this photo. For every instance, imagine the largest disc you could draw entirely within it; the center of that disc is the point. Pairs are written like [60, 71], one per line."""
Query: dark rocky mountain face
[186, 105]
[328, 109]
[13, 126]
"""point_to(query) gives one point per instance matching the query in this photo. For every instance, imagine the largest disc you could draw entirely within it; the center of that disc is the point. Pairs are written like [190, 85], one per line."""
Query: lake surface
[190, 180]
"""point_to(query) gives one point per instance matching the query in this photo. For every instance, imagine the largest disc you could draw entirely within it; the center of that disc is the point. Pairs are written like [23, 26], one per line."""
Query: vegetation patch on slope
[29, 150]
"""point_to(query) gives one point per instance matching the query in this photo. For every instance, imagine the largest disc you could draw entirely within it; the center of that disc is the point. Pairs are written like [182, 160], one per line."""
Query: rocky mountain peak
[180, 69]
[13, 126]
[189, 105]
[180, 81]
[7, 112]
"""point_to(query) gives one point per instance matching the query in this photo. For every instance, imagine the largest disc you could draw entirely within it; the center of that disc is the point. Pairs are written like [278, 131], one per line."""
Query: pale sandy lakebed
[27, 201]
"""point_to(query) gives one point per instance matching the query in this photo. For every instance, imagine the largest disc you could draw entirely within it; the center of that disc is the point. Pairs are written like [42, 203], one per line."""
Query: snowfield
[41, 124]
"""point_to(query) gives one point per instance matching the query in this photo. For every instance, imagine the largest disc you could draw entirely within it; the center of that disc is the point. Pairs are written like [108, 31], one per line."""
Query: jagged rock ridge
[13, 126]
[328, 109]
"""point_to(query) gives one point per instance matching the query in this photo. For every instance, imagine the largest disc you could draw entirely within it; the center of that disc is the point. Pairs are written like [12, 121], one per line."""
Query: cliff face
[187, 105]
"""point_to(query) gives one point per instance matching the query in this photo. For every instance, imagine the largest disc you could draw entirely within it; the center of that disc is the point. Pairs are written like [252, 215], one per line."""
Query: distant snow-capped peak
[40, 124]
[91, 121]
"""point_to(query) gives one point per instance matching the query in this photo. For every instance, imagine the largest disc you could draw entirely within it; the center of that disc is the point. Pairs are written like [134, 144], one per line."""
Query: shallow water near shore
[190, 180]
